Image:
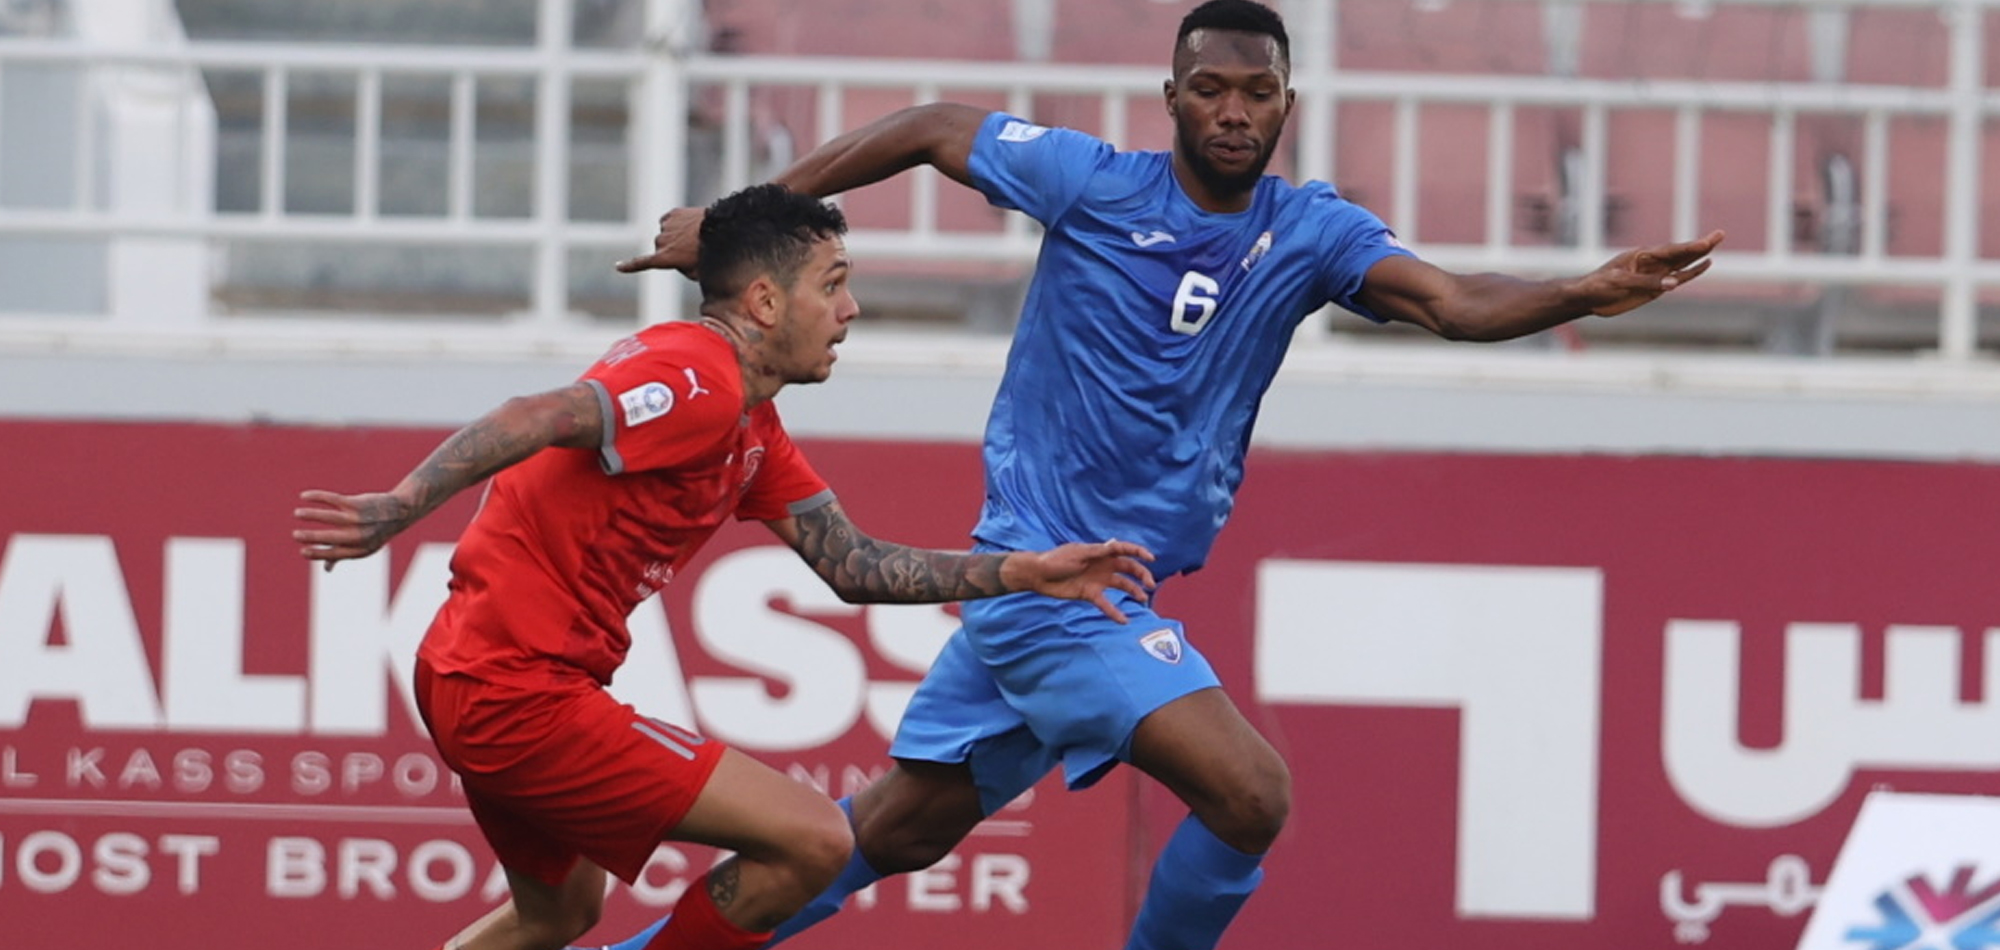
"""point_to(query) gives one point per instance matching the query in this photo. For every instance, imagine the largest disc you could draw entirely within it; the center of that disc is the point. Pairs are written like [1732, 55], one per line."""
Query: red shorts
[554, 774]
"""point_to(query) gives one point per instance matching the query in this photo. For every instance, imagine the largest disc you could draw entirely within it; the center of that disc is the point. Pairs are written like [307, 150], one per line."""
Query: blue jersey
[1151, 331]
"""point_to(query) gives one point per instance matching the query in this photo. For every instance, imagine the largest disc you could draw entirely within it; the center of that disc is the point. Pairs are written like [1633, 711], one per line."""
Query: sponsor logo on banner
[1917, 872]
[1961, 914]
[1583, 744]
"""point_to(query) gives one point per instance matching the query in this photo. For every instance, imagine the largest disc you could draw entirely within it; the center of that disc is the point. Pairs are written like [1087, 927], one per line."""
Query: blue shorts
[1029, 681]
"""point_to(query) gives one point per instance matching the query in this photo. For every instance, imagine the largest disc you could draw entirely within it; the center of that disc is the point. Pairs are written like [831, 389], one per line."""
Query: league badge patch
[1021, 132]
[646, 403]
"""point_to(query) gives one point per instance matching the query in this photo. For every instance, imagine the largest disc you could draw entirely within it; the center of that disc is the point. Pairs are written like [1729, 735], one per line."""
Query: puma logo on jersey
[694, 385]
[1148, 240]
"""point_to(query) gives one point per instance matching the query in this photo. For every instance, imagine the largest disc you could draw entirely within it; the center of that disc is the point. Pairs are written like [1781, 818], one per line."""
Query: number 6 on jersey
[1194, 303]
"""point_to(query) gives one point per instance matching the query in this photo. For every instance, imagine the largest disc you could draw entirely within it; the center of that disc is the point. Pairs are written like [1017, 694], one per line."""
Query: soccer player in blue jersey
[1167, 290]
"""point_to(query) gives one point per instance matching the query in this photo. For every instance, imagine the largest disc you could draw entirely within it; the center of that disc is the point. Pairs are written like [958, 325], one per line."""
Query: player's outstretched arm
[938, 134]
[1500, 307]
[862, 569]
[351, 526]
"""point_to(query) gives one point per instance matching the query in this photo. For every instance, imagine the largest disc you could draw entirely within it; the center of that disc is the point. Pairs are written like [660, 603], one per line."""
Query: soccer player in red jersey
[600, 491]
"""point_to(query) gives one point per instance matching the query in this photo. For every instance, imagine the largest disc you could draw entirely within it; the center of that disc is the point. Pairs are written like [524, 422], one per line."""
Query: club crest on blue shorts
[1163, 644]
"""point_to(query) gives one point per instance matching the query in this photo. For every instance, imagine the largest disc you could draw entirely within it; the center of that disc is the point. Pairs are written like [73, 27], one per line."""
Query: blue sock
[1198, 884]
[857, 875]
[637, 941]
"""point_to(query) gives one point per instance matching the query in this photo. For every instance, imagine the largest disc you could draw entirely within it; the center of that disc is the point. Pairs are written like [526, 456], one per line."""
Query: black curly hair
[761, 230]
[1246, 16]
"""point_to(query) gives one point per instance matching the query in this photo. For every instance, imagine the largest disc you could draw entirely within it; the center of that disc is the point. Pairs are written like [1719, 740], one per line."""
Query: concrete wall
[895, 385]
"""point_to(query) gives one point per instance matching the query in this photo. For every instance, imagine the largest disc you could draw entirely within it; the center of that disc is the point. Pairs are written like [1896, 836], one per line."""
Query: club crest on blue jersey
[1163, 644]
[1258, 250]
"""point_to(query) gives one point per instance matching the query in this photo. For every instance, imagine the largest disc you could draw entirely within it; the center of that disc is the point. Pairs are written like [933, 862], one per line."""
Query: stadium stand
[1528, 136]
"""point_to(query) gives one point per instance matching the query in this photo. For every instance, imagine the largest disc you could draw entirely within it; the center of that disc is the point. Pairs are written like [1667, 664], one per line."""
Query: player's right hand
[675, 247]
[356, 525]
[1088, 571]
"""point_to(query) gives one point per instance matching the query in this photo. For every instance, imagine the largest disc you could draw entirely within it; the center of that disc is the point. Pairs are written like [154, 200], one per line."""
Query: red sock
[698, 925]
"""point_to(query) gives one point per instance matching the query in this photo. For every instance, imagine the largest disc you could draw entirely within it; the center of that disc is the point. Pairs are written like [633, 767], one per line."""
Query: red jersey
[568, 541]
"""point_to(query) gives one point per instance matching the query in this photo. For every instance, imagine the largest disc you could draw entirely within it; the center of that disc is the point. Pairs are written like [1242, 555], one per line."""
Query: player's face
[818, 308]
[1229, 101]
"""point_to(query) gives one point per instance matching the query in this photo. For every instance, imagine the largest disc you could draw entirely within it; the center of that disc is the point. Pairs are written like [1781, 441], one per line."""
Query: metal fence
[113, 184]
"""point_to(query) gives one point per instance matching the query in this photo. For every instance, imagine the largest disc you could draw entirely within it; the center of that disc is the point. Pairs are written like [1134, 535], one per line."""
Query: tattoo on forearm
[488, 445]
[865, 569]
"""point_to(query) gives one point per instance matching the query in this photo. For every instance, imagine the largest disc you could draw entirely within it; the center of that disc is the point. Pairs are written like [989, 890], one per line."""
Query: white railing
[667, 78]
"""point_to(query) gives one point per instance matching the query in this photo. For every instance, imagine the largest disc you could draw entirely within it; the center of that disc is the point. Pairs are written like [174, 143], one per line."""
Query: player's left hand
[1640, 276]
[356, 525]
[1087, 571]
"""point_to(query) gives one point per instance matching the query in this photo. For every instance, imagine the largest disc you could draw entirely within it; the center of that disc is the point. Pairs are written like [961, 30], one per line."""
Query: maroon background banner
[1558, 702]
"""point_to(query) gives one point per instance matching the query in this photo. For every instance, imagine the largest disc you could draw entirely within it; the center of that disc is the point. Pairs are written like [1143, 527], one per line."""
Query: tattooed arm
[358, 525]
[862, 569]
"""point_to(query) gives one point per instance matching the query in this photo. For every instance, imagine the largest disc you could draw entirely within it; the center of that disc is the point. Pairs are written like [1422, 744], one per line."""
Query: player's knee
[822, 850]
[1252, 817]
[1267, 816]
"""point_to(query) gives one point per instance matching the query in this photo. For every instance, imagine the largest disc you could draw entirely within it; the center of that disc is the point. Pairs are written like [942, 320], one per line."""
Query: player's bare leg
[790, 842]
[538, 916]
[1238, 792]
[1202, 749]
[908, 819]
[912, 816]
[1237, 788]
